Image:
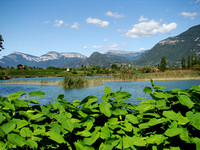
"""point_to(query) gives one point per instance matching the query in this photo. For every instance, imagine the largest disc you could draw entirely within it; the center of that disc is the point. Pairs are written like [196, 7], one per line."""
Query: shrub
[170, 120]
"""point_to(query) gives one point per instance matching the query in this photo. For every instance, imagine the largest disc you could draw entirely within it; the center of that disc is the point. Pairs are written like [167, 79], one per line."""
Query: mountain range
[174, 48]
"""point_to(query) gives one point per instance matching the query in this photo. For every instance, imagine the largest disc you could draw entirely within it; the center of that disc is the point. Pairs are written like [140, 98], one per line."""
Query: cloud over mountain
[189, 15]
[149, 28]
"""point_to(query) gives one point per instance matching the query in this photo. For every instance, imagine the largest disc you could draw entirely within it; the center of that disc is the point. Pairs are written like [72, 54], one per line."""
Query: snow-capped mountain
[127, 54]
[50, 59]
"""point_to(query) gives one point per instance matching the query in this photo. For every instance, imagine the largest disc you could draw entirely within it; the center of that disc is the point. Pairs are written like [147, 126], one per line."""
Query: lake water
[51, 92]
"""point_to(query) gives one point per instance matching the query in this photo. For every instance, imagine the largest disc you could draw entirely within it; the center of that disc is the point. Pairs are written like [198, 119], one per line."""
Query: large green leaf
[155, 121]
[186, 101]
[67, 124]
[32, 144]
[113, 121]
[8, 127]
[185, 136]
[55, 105]
[144, 107]
[86, 102]
[84, 133]
[34, 117]
[128, 127]
[196, 140]
[16, 139]
[107, 90]
[55, 137]
[121, 96]
[118, 111]
[25, 132]
[105, 109]
[173, 132]
[21, 123]
[8, 105]
[92, 139]
[105, 132]
[15, 95]
[34, 101]
[147, 90]
[36, 93]
[139, 141]
[132, 118]
[194, 118]
[1, 118]
[170, 115]
[196, 88]
[156, 139]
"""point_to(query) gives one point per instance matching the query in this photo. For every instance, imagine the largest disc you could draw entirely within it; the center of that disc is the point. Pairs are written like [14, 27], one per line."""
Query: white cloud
[58, 23]
[114, 45]
[114, 15]
[105, 40]
[75, 25]
[98, 22]
[142, 49]
[96, 46]
[197, 1]
[84, 47]
[142, 19]
[189, 15]
[149, 28]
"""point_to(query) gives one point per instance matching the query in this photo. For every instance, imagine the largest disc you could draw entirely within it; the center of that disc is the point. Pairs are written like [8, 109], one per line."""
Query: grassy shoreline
[159, 76]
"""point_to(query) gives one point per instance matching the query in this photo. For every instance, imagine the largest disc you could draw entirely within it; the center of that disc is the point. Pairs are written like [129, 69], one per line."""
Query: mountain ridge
[174, 48]
[127, 54]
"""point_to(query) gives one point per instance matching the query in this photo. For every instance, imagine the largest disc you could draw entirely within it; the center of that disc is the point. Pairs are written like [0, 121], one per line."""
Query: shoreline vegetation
[168, 120]
[80, 82]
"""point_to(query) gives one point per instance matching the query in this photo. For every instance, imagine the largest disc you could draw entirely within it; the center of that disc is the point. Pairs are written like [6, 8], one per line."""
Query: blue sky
[38, 26]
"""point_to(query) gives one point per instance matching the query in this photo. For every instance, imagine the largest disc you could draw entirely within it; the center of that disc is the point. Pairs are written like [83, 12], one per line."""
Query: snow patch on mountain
[171, 41]
[49, 56]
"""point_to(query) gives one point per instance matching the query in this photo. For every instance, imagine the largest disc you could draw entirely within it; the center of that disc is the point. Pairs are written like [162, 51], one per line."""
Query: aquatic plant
[170, 120]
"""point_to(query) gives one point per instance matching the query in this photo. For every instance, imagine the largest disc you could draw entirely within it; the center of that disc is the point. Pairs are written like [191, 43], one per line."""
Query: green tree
[163, 64]
[183, 63]
[189, 63]
[19, 66]
[192, 60]
[114, 66]
[1, 42]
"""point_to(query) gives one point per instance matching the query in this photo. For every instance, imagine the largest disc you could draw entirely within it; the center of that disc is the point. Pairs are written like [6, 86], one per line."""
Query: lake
[51, 91]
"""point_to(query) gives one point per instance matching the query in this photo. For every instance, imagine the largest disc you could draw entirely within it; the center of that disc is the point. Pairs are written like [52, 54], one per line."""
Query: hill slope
[50, 59]
[187, 43]
[127, 54]
[103, 60]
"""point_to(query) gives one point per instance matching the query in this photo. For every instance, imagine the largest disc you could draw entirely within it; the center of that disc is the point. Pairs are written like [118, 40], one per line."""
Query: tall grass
[168, 75]
[78, 82]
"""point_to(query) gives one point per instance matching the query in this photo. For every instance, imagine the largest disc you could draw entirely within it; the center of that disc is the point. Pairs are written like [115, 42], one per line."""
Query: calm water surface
[134, 88]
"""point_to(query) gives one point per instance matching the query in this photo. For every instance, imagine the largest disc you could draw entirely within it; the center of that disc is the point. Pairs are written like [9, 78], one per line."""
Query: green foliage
[1, 44]
[148, 69]
[183, 63]
[70, 82]
[163, 64]
[170, 120]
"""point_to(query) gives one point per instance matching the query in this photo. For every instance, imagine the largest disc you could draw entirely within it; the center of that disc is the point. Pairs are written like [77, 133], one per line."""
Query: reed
[32, 82]
[78, 82]
[168, 75]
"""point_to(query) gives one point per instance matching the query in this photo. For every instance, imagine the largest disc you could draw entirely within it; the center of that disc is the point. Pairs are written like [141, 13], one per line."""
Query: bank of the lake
[157, 76]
